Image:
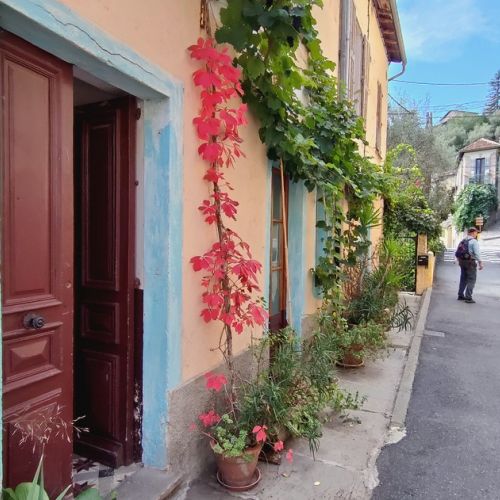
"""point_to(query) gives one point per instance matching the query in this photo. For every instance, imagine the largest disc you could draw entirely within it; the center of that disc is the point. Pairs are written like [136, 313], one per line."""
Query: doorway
[105, 376]
[68, 280]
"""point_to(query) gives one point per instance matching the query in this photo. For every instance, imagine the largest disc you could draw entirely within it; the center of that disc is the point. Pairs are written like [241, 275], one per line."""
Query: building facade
[478, 163]
[101, 181]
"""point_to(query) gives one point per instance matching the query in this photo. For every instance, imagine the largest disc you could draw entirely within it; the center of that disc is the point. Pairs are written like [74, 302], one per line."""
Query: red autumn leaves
[230, 273]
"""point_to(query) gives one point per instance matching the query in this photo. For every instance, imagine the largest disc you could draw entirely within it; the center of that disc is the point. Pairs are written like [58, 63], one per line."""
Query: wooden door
[105, 180]
[37, 260]
[277, 281]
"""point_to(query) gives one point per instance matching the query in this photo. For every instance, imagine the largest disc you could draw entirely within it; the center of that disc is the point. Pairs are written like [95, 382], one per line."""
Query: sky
[448, 41]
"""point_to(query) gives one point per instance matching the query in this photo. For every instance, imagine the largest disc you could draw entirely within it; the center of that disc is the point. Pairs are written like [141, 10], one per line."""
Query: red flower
[278, 446]
[209, 419]
[260, 433]
[214, 381]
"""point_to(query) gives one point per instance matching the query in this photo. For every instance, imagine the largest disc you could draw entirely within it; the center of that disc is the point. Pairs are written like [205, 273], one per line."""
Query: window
[354, 58]
[479, 170]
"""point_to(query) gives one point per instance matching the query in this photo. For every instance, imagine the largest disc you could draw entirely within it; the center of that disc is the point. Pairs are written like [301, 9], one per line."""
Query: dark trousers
[468, 274]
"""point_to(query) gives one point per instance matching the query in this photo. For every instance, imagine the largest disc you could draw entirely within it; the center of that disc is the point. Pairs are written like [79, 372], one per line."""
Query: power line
[443, 84]
[400, 105]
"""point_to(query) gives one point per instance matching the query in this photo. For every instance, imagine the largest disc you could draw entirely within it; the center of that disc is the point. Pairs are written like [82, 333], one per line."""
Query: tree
[474, 201]
[430, 152]
[493, 100]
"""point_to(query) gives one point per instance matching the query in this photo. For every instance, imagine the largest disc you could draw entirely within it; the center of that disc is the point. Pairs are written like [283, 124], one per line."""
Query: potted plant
[290, 394]
[356, 342]
[235, 439]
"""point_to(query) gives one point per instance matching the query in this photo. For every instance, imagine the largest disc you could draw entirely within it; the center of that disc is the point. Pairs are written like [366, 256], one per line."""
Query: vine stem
[226, 287]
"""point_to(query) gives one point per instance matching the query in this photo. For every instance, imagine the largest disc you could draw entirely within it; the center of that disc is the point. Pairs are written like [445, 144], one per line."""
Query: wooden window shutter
[365, 79]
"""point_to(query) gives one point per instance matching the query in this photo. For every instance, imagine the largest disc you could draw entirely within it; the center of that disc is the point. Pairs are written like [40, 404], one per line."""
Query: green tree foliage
[436, 159]
[493, 101]
[432, 158]
[475, 200]
[464, 130]
[407, 211]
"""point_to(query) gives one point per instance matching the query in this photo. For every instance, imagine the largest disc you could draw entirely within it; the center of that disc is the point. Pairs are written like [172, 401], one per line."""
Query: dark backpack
[462, 251]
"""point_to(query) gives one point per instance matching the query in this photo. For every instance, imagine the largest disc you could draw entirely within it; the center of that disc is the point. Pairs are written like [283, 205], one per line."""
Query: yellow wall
[161, 30]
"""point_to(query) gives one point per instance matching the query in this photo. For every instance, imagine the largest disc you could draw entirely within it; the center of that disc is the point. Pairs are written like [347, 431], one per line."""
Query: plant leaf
[61, 495]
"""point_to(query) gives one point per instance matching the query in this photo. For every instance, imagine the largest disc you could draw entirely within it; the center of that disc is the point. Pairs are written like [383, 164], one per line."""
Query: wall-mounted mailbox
[423, 260]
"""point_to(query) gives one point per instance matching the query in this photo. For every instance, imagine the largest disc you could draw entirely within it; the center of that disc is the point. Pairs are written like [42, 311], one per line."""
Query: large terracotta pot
[353, 357]
[239, 473]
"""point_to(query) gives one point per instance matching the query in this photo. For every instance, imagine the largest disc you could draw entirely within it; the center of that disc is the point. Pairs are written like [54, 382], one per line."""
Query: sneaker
[470, 301]
[461, 298]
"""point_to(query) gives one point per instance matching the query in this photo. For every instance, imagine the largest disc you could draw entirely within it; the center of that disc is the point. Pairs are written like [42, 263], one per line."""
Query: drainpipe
[399, 36]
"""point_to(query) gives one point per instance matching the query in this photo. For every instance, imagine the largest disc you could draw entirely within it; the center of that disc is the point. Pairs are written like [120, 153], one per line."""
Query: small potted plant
[235, 441]
[356, 342]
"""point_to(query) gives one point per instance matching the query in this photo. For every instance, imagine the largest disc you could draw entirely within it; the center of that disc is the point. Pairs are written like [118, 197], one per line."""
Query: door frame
[274, 322]
[61, 32]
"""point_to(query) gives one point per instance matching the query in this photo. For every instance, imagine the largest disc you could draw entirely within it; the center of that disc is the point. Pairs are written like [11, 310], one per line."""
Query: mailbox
[423, 260]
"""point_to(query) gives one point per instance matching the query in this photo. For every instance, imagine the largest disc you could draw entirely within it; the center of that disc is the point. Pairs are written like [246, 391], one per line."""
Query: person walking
[469, 262]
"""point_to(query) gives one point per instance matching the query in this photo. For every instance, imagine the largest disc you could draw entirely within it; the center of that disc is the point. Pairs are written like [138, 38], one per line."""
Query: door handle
[32, 320]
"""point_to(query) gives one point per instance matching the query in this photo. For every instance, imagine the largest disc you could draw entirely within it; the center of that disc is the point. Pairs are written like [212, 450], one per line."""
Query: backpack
[462, 251]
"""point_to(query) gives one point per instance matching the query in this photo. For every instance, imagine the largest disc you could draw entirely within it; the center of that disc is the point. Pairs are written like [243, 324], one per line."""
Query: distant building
[456, 113]
[478, 163]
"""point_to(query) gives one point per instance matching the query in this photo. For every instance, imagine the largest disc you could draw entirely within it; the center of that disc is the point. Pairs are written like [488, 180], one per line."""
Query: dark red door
[37, 260]
[104, 326]
[277, 281]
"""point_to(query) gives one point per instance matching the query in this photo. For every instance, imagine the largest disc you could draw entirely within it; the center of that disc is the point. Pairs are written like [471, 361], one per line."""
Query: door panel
[37, 255]
[105, 138]
[277, 281]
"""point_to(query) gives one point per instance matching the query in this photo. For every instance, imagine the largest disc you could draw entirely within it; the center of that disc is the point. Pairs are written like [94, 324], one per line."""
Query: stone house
[478, 162]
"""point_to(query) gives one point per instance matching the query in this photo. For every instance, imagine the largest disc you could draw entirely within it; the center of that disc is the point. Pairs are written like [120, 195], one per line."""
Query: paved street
[452, 448]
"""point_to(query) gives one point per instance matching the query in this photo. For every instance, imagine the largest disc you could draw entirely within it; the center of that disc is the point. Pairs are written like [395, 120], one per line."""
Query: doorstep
[149, 484]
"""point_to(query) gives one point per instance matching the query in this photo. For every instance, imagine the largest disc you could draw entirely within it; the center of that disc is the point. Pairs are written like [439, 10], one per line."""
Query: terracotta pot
[238, 472]
[353, 357]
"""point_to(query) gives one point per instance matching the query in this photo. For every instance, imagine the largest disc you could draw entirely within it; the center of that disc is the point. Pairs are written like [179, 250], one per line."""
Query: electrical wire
[462, 84]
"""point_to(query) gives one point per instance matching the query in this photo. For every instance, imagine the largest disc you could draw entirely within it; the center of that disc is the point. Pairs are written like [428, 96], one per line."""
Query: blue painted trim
[296, 251]
[320, 239]
[163, 188]
[58, 30]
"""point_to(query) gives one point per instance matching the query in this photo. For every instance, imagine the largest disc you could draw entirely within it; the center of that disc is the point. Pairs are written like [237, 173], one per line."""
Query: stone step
[149, 484]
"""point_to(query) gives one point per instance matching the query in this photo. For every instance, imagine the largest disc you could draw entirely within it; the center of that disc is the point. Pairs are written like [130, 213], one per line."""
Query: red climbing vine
[230, 282]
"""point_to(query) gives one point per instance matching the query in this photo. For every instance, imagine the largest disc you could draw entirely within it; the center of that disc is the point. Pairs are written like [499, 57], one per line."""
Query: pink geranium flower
[214, 381]
[210, 418]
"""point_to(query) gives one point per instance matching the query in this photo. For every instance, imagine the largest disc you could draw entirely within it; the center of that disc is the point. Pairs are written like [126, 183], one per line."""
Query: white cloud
[435, 30]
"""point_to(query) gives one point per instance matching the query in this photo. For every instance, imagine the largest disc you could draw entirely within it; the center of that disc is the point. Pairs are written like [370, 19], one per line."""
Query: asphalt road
[452, 447]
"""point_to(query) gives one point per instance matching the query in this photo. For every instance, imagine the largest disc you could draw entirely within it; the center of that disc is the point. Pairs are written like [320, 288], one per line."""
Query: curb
[403, 395]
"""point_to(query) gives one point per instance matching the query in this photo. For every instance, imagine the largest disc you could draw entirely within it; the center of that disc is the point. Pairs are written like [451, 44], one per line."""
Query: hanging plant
[305, 121]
